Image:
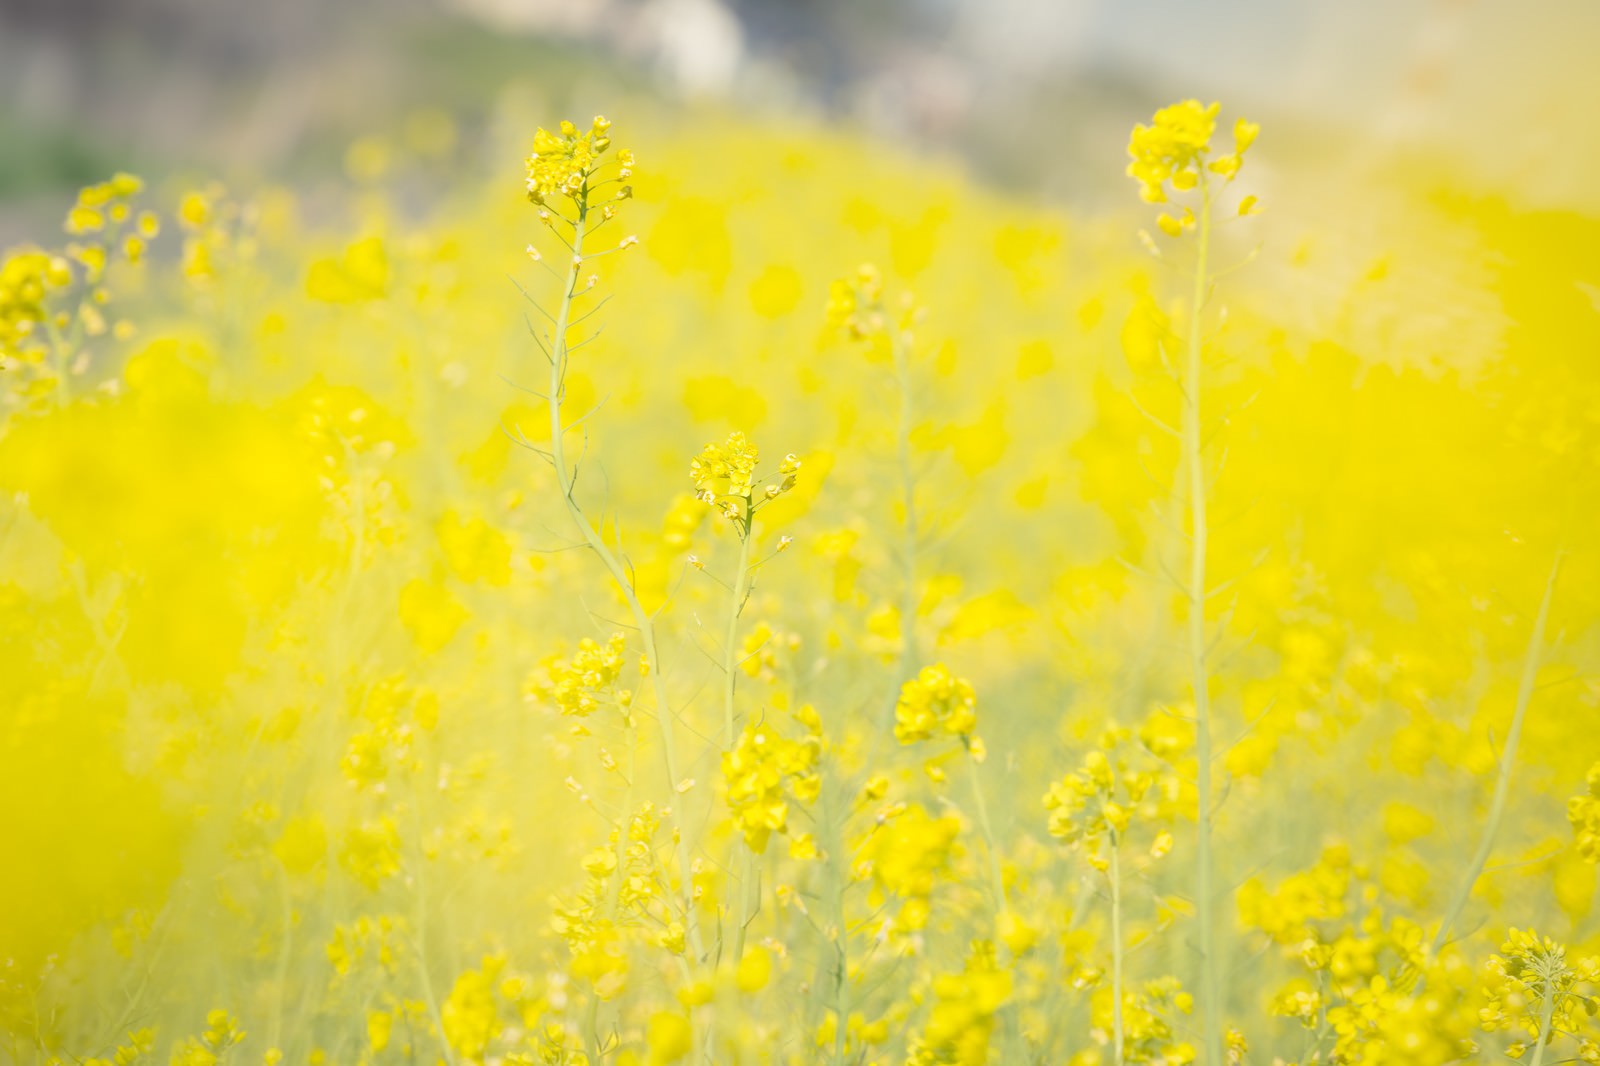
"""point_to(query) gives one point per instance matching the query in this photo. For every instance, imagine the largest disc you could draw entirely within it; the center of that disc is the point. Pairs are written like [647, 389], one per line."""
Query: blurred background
[1035, 96]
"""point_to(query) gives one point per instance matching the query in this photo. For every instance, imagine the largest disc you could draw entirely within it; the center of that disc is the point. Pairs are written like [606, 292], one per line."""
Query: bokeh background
[283, 607]
[1031, 95]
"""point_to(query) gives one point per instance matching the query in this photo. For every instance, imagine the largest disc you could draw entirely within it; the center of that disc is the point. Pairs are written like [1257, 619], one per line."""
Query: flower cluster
[1150, 1014]
[964, 1009]
[1584, 814]
[762, 770]
[935, 703]
[1096, 804]
[906, 854]
[586, 681]
[619, 905]
[1533, 988]
[222, 1032]
[563, 163]
[1173, 150]
[724, 477]
[855, 304]
[27, 278]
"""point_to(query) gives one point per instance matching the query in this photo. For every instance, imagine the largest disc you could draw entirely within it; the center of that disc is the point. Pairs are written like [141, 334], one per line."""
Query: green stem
[997, 886]
[730, 678]
[1199, 678]
[1545, 1015]
[614, 887]
[906, 664]
[1508, 759]
[838, 880]
[665, 715]
[1117, 1025]
[730, 644]
[747, 898]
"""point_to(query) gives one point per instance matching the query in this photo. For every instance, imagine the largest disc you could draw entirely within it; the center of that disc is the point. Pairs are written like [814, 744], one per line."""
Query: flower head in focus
[565, 164]
[1173, 154]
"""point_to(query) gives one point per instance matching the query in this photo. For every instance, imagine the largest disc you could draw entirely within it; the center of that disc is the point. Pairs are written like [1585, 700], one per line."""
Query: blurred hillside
[1034, 95]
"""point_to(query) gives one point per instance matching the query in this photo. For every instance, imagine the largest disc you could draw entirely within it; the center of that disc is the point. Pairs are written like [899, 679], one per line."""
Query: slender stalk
[1545, 1014]
[906, 663]
[747, 898]
[1508, 759]
[730, 679]
[665, 716]
[1199, 677]
[730, 644]
[997, 886]
[838, 879]
[1117, 1025]
[614, 887]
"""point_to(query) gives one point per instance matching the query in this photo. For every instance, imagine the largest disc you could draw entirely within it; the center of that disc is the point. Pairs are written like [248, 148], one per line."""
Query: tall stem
[748, 875]
[730, 644]
[997, 886]
[630, 734]
[1117, 1025]
[1199, 678]
[1508, 759]
[841, 976]
[730, 676]
[906, 664]
[665, 715]
[1545, 1015]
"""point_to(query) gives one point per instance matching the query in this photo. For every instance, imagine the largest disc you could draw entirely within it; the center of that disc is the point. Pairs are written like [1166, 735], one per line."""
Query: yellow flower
[1172, 152]
[563, 164]
[757, 770]
[935, 702]
[580, 685]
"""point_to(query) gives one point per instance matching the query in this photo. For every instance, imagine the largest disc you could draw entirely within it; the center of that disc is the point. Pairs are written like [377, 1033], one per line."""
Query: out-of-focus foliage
[326, 740]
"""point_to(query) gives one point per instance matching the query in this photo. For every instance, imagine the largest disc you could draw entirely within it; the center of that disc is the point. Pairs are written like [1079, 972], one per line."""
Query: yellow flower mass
[378, 691]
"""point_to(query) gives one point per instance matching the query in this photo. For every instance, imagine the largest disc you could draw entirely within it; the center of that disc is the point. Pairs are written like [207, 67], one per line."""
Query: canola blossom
[1170, 647]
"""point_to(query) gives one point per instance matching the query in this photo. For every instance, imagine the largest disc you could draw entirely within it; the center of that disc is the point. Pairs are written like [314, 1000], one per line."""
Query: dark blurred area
[1034, 95]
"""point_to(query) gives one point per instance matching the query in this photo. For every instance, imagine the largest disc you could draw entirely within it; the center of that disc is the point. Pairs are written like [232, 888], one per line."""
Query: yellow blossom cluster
[1152, 1014]
[724, 477]
[563, 164]
[1173, 151]
[855, 304]
[935, 703]
[906, 854]
[28, 276]
[762, 771]
[961, 1022]
[582, 683]
[1097, 803]
[1532, 988]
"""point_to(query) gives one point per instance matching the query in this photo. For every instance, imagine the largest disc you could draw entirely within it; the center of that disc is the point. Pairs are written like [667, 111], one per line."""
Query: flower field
[716, 590]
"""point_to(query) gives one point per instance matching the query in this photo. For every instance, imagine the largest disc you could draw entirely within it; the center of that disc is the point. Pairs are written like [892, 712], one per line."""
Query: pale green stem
[1210, 997]
[619, 574]
[730, 679]
[1545, 1015]
[747, 898]
[906, 664]
[838, 880]
[1508, 759]
[997, 886]
[614, 888]
[730, 644]
[1117, 1025]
